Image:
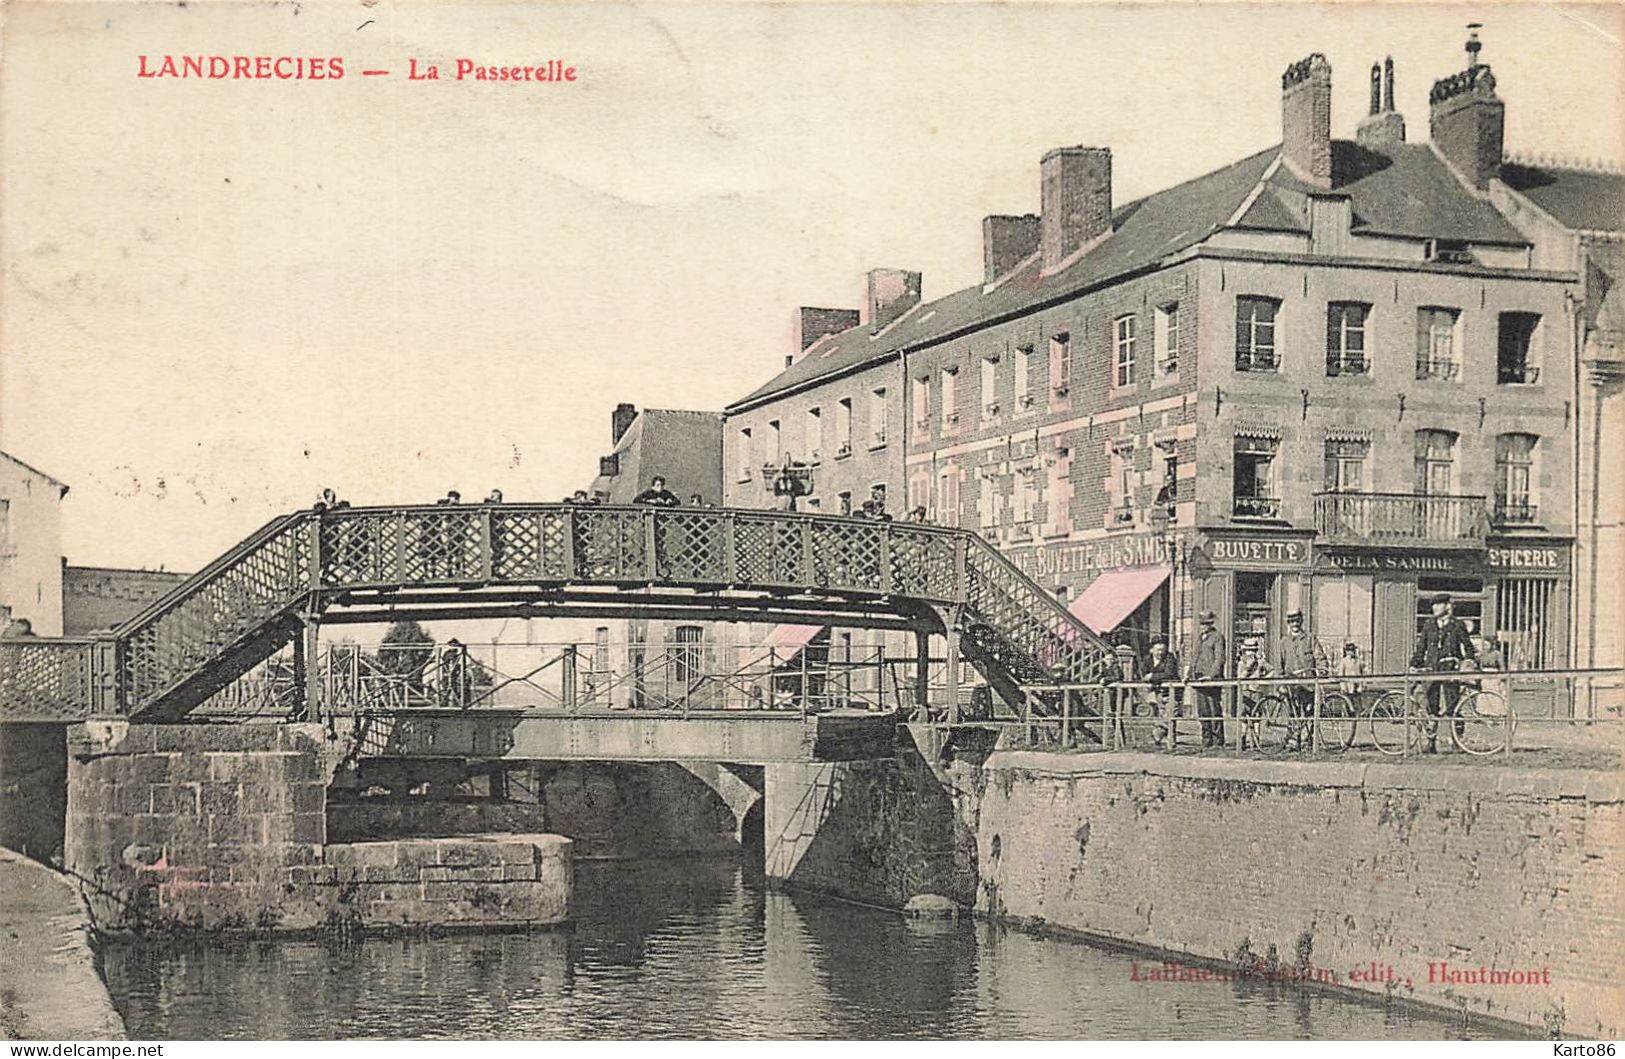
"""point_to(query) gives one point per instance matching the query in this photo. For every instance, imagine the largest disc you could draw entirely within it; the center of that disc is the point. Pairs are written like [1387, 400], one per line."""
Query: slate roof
[1409, 192]
[684, 447]
[1577, 198]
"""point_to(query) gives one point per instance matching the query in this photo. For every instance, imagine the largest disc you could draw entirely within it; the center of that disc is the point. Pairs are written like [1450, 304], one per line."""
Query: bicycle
[1482, 723]
[1287, 726]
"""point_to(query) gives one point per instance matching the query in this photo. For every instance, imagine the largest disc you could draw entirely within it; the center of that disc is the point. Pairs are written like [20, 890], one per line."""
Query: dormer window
[1448, 251]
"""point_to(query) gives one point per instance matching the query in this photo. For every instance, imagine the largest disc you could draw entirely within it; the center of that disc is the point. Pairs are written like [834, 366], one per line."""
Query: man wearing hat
[1250, 665]
[1441, 648]
[1207, 660]
[1300, 655]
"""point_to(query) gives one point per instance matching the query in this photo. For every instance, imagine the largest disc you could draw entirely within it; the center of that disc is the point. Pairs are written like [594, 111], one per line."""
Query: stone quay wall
[224, 828]
[1373, 878]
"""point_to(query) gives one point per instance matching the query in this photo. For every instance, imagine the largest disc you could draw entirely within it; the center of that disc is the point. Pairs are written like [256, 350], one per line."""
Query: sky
[220, 296]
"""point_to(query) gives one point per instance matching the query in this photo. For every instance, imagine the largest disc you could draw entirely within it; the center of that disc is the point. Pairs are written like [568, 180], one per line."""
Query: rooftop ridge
[1543, 160]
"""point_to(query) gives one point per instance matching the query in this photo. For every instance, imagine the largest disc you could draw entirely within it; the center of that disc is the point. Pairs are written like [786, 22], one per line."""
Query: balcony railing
[1256, 360]
[1515, 512]
[1437, 367]
[1401, 518]
[1344, 364]
[1516, 374]
[1257, 507]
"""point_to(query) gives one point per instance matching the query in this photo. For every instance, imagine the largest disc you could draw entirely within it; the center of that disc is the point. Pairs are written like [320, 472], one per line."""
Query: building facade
[1332, 377]
[30, 547]
[97, 598]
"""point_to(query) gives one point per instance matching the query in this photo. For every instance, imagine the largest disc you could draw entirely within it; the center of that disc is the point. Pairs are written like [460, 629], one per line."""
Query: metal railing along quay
[1479, 712]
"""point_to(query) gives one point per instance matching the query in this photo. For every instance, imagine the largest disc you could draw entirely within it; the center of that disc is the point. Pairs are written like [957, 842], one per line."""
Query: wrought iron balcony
[1267, 507]
[1401, 518]
[1515, 512]
[1437, 368]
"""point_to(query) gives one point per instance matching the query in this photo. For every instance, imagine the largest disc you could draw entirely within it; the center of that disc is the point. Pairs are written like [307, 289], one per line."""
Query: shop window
[1255, 603]
[1438, 343]
[1435, 462]
[1514, 475]
[1523, 623]
[1466, 600]
[1254, 492]
[1514, 348]
[1346, 338]
[1165, 338]
[1343, 612]
[1345, 465]
[1255, 333]
[1123, 338]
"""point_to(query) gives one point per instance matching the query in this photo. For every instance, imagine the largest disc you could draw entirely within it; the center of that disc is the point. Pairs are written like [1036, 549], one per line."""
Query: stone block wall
[1348, 869]
[194, 825]
[472, 881]
[224, 828]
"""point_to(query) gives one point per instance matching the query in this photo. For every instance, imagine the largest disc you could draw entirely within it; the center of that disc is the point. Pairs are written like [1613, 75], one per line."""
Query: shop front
[1527, 591]
[1251, 580]
[1126, 588]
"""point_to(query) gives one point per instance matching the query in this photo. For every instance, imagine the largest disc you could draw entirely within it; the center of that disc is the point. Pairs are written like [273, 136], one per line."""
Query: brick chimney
[1076, 196]
[1306, 120]
[892, 292]
[1007, 241]
[620, 420]
[813, 323]
[1466, 119]
[1384, 127]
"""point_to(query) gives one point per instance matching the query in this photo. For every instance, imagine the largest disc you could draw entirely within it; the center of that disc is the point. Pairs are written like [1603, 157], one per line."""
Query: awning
[785, 642]
[1113, 595]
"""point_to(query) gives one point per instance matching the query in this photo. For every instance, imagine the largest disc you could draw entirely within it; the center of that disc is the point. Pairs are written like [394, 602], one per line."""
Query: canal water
[699, 949]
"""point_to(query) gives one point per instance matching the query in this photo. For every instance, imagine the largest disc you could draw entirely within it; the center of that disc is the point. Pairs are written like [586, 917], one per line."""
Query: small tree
[405, 651]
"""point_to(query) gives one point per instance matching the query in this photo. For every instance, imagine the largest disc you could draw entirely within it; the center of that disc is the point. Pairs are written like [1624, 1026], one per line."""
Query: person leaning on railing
[1162, 668]
[1207, 663]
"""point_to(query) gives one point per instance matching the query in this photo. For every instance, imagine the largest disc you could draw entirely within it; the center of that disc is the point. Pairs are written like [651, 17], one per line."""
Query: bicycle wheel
[1337, 718]
[1391, 731]
[1279, 727]
[1483, 723]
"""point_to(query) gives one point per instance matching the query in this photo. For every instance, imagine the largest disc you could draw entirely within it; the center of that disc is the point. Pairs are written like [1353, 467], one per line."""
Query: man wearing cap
[1207, 663]
[1444, 644]
[1300, 655]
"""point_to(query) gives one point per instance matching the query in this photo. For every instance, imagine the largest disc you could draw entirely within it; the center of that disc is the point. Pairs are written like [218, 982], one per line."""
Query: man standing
[1207, 663]
[1300, 655]
[1442, 647]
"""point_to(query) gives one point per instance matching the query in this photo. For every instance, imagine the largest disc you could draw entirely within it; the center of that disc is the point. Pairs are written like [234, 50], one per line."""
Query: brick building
[95, 598]
[1332, 376]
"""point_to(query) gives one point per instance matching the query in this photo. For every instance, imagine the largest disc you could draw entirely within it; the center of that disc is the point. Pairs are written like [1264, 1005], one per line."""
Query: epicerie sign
[1550, 560]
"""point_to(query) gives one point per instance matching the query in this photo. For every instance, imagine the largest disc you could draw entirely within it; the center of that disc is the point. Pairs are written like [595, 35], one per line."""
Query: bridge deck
[752, 738]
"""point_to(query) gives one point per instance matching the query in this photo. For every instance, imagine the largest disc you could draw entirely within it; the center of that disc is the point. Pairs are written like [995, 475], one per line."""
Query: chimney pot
[1007, 241]
[891, 293]
[1467, 120]
[1384, 127]
[1076, 194]
[1306, 120]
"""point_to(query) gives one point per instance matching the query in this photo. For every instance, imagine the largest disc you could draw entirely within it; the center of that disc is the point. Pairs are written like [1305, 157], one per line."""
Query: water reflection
[698, 949]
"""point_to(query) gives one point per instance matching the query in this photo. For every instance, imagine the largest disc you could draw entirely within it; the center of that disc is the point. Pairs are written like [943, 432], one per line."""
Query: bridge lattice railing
[239, 609]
